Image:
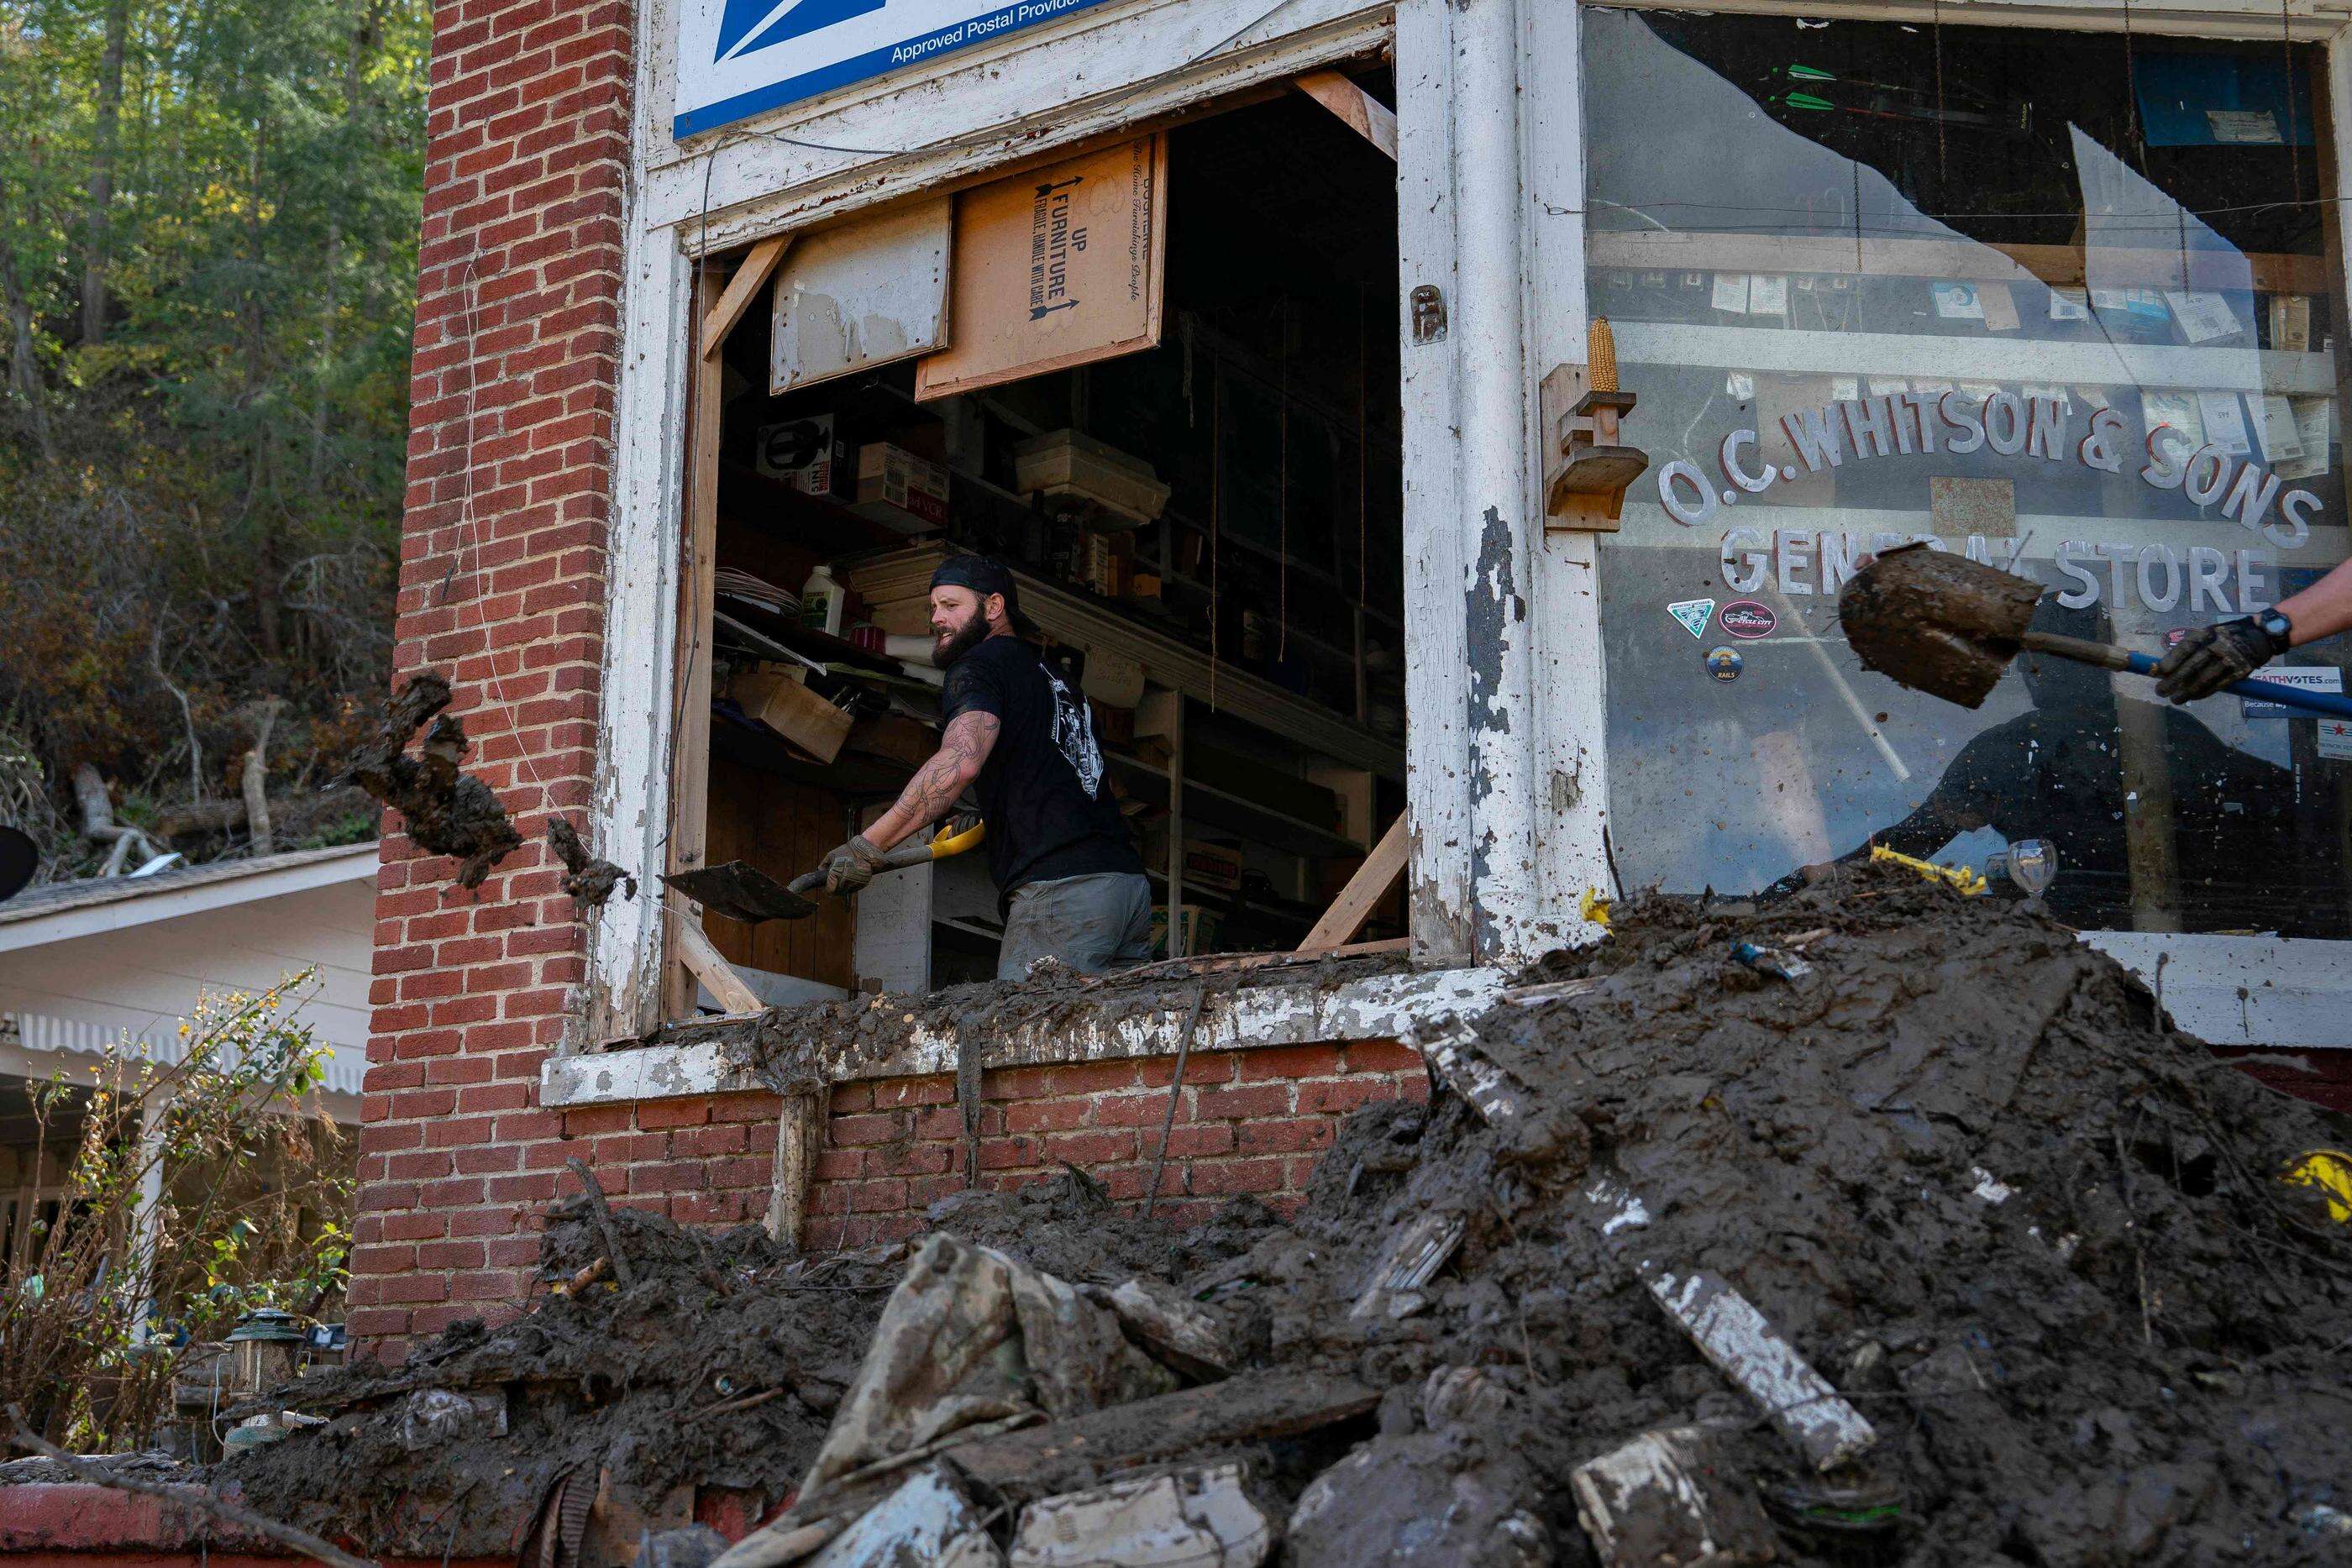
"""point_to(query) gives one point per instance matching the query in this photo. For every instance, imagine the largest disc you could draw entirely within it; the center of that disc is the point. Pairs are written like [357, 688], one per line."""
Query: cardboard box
[1053, 267]
[1099, 564]
[900, 490]
[1209, 866]
[1076, 473]
[775, 696]
[805, 453]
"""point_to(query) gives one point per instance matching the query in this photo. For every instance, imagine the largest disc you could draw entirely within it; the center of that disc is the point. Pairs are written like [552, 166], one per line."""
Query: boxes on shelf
[900, 490]
[1099, 564]
[1080, 475]
[805, 453]
[1209, 866]
[1203, 928]
[775, 695]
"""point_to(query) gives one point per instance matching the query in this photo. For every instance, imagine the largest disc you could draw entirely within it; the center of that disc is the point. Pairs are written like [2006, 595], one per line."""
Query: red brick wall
[502, 590]
[1247, 1122]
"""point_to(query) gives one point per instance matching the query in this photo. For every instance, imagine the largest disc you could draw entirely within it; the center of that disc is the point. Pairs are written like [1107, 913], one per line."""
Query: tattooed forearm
[932, 793]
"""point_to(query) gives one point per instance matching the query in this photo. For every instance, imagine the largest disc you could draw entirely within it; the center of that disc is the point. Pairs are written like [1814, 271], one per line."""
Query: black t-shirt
[1043, 790]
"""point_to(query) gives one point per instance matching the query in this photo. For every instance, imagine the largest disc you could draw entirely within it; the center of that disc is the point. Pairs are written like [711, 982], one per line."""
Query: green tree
[208, 230]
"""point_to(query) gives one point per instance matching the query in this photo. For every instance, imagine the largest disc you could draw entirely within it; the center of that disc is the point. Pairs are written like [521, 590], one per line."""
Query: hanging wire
[1282, 486]
[1942, 135]
[1216, 496]
[2131, 93]
[1363, 500]
[2294, 152]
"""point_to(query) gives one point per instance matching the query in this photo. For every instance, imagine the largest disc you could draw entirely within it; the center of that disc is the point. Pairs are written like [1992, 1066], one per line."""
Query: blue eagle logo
[748, 26]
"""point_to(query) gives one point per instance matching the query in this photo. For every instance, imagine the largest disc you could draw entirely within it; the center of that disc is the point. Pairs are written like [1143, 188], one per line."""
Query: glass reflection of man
[2058, 772]
[2212, 656]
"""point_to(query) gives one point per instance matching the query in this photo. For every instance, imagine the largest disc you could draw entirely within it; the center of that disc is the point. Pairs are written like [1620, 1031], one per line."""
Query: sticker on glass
[1958, 301]
[1693, 614]
[2328, 678]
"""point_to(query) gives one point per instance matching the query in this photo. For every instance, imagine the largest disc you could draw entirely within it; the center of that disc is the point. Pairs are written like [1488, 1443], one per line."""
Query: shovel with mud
[1949, 626]
[742, 891]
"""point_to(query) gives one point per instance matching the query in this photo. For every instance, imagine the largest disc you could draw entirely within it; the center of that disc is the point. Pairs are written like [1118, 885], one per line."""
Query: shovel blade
[742, 891]
[1935, 621]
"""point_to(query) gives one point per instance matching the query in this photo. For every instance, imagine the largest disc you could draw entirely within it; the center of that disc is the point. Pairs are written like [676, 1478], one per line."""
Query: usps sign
[738, 58]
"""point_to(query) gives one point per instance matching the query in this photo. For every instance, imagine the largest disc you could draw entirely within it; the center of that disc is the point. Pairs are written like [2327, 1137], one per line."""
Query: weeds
[197, 1183]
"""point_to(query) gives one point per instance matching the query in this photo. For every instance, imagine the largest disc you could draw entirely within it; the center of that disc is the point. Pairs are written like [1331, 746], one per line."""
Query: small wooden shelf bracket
[1587, 468]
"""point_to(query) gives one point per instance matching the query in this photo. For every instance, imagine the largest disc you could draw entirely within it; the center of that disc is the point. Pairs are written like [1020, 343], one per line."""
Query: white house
[86, 963]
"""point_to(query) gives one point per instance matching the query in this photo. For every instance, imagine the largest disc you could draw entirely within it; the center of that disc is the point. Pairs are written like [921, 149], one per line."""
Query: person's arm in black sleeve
[974, 708]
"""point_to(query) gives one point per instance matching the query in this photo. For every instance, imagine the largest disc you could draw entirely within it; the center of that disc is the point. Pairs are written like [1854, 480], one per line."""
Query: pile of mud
[1958, 1161]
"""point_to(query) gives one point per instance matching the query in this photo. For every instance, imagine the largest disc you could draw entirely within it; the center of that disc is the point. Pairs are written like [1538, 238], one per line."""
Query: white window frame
[978, 111]
[2228, 990]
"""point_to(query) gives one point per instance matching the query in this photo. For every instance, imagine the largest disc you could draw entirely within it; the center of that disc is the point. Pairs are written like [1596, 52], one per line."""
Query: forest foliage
[208, 224]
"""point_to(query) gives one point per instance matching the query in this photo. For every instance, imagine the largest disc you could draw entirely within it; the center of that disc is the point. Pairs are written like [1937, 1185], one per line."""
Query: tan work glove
[849, 869]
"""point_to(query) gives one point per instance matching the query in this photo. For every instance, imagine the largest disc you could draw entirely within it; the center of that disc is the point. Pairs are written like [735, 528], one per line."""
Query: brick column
[503, 588]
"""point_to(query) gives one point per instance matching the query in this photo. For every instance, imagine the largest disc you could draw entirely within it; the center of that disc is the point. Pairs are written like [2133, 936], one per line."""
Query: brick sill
[1379, 1007]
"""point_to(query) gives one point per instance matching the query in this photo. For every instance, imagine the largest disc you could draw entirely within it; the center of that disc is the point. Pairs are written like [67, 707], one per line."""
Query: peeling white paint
[1382, 1008]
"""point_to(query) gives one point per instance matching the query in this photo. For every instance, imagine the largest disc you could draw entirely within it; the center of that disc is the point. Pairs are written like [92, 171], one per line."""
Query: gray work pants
[1090, 923]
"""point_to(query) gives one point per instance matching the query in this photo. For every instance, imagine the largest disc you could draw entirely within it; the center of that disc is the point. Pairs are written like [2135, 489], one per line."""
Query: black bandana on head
[983, 576]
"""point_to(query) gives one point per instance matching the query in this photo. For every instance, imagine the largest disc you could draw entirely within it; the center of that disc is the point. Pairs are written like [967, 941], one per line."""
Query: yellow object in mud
[1964, 878]
[2330, 1170]
[1595, 906]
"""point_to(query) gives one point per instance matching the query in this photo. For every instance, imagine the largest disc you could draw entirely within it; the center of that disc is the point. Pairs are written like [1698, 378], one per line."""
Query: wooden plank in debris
[1412, 1259]
[1744, 1346]
[1051, 1458]
[1656, 1500]
[1737, 1339]
[800, 1132]
[1453, 1048]
[1174, 1327]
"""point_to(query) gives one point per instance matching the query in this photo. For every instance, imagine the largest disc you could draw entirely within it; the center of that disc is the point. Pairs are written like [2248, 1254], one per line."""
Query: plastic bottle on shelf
[821, 600]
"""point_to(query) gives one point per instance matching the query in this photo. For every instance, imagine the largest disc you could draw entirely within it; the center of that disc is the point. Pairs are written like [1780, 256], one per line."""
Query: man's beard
[946, 651]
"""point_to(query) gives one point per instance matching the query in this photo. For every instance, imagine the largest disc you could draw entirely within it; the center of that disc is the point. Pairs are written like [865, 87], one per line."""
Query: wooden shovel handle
[2105, 655]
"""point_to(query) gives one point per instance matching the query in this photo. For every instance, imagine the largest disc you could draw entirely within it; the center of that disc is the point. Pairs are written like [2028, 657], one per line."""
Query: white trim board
[1801, 351]
[2307, 23]
[1302, 1014]
[1048, 87]
[169, 903]
[2291, 993]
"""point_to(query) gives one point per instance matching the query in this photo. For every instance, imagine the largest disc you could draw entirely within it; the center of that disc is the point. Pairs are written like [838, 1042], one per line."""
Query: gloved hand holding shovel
[1949, 626]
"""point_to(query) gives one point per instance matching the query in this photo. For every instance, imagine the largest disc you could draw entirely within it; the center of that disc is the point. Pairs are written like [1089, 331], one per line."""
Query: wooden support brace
[800, 1132]
[1354, 906]
[741, 289]
[702, 960]
[1366, 116]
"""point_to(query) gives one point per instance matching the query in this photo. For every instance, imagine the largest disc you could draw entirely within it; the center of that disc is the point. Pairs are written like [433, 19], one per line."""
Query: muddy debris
[448, 811]
[589, 881]
[1959, 1169]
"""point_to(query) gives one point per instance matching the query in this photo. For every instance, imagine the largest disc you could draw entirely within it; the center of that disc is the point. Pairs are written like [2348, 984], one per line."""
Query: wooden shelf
[1209, 806]
[1086, 622]
[2159, 267]
[1995, 358]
